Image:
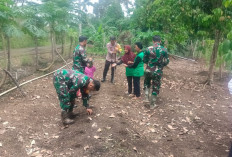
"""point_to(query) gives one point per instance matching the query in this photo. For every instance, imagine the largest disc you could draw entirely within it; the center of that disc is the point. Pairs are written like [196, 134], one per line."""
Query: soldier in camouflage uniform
[156, 57]
[67, 83]
[79, 55]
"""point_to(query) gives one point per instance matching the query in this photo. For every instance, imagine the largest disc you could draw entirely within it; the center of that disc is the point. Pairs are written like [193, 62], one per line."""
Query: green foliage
[225, 53]
[178, 22]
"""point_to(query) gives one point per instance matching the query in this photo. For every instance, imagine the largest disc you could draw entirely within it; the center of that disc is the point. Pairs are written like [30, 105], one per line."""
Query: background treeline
[190, 28]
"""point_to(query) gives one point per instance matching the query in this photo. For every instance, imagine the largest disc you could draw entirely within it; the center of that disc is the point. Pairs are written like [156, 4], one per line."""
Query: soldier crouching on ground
[67, 83]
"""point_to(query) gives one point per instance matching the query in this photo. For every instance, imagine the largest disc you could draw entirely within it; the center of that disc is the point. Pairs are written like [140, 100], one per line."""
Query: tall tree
[8, 26]
[33, 24]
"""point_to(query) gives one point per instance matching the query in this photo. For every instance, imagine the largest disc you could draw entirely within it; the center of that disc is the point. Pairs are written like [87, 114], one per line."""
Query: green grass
[27, 61]
[2, 63]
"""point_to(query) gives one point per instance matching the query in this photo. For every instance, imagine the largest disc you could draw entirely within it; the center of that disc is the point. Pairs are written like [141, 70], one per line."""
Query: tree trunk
[194, 49]
[220, 71]
[80, 29]
[8, 54]
[104, 40]
[36, 53]
[53, 43]
[63, 43]
[213, 57]
[70, 48]
[4, 50]
[52, 46]
[3, 79]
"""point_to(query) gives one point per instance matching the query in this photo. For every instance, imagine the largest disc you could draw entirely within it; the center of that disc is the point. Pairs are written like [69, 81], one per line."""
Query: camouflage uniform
[156, 57]
[67, 82]
[79, 59]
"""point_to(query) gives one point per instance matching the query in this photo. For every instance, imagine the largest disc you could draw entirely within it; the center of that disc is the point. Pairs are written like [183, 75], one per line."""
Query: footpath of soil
[192, 120]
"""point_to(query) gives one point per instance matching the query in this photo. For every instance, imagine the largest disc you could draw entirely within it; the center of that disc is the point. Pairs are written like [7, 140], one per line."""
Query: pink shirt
[90, 71]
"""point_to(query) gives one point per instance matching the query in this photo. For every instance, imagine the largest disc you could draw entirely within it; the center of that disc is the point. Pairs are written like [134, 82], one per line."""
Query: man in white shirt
[112, 49]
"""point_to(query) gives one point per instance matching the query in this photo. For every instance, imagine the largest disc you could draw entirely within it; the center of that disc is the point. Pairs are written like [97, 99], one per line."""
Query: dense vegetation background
[190, 28]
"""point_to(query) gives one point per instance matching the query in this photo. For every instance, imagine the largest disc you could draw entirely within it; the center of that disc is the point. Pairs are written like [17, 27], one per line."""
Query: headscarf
[129, 56]
[90, 63]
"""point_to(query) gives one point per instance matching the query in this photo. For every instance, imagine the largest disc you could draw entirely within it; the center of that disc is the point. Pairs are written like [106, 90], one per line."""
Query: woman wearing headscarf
[127, 59]
[137, 67]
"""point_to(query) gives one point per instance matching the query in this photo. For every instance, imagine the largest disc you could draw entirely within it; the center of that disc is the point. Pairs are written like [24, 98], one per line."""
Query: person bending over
[67, 83]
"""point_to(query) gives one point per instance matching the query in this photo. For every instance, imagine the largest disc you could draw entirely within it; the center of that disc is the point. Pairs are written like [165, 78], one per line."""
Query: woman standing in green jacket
[138, 69]
[127, 59]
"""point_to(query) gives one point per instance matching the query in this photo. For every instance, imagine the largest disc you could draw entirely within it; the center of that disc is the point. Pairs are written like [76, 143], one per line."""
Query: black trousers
[136, 82]
[129, 81]
[106, 69]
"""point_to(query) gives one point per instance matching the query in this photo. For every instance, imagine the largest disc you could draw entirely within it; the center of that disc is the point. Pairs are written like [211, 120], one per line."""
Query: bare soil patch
[191, 120]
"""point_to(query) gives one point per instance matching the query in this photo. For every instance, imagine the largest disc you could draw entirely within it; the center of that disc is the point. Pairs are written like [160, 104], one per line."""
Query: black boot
[112, 80]
[71, 115]
[65, 118]
[103, 80]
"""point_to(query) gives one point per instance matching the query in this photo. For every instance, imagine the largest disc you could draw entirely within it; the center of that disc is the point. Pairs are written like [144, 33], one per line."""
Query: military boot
[65, 118]
[153, 101]
[71, 115]
[146, 91]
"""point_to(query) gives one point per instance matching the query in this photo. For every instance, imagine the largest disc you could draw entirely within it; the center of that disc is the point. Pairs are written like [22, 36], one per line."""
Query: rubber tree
[8, 26]
[34, 25]
[216, 20]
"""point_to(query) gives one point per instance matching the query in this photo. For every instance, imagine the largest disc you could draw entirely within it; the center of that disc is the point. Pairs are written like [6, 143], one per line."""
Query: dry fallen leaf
[94, 125]
[99, 130]
[154, 141]
[185, 130]
[86, 147]
[32, 142]
[36, 154]
[55, 136]
[171, 127]
[108, 128]
[5, 123]
[112, 116]
[188, 120]
[96, 137]
[152, 129]
[135, 149]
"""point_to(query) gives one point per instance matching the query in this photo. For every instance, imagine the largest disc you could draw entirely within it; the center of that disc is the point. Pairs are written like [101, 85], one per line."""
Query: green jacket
[138, 71]
[129, 71]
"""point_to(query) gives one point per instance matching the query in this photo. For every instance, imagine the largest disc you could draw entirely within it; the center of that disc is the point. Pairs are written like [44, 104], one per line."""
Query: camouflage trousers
[66, 98]
[153, 79]
[79, 68]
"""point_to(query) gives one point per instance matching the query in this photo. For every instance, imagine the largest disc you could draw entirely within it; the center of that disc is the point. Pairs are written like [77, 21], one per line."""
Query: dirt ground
[192, 120]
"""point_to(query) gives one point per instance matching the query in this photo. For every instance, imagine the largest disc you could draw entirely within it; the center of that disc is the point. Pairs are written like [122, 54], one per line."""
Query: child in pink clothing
[90, 69]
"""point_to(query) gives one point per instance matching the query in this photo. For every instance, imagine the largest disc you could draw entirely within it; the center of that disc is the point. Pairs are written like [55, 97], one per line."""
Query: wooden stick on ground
[181, 57]
[45, 69]
[62, 58]
[15, 82]
[1, 94]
